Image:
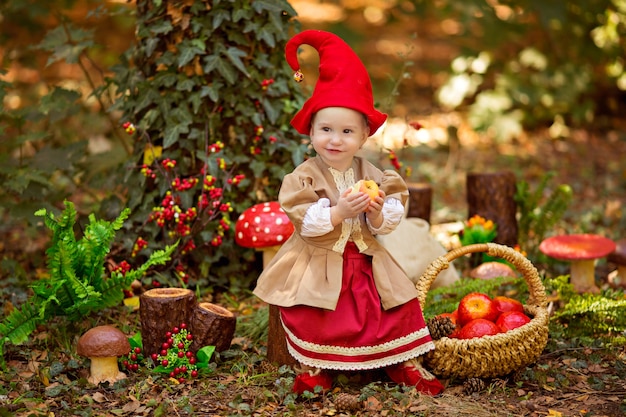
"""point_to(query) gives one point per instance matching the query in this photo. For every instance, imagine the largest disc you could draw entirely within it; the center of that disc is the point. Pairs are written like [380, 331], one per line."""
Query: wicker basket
[490, 356]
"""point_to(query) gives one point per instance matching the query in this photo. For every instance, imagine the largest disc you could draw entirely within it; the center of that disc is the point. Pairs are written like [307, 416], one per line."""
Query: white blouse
[317, 218]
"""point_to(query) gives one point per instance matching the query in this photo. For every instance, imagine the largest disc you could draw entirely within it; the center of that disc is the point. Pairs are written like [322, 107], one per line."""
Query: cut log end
[212, 325]
[160, 310]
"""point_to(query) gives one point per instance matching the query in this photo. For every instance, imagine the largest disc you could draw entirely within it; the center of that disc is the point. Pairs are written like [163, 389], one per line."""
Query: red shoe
[411, 373]
[307, 381]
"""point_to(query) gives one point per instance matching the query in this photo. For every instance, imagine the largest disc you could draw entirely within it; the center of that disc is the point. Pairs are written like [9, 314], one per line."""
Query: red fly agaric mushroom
[582, 251]
[265, 227]
[618, 257]
[103, 345]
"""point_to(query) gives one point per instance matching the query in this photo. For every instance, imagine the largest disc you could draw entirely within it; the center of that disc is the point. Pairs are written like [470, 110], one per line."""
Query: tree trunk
[276, 343]
[160, 310]
[491, 195]
[420, 201]
[212, 325]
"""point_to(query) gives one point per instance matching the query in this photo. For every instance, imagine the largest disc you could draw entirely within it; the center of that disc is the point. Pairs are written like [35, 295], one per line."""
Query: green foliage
[199, 74]
[254, 326]
[529, 63]
[446, 299]
[538, 214]
[49, 124]
[587, 315]
[76, 285]
[207, 89]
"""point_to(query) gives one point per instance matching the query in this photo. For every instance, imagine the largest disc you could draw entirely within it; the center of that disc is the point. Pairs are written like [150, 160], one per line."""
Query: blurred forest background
[532, 86]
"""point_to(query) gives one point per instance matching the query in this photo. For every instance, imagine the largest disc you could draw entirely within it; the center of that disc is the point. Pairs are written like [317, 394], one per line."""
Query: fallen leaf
[131, 406]
[596, 368]
[555, 413]
[99, 397]
[372, 403]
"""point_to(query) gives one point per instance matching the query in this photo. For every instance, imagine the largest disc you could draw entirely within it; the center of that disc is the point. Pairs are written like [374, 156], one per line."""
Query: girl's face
[337, 133]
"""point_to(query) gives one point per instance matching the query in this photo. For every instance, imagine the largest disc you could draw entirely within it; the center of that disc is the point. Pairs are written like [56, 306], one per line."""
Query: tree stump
[160, 310]
[420, 201]
[212, 325]
[276, 343]
[492, 196]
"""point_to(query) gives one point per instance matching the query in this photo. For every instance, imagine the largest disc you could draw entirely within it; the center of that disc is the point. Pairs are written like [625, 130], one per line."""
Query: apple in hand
[476, 305]
[478, 328]
[510, 320]
[504, 304]
[368, 187]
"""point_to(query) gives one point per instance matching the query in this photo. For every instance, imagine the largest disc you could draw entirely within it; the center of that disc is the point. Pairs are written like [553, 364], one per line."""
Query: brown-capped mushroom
[582, 250]
[265, 227]
[618, 257]
[103, 345]
[491, 270]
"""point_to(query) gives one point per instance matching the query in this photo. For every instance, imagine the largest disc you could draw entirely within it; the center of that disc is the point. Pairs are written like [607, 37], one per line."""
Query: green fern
[587, 314]
[77, 284]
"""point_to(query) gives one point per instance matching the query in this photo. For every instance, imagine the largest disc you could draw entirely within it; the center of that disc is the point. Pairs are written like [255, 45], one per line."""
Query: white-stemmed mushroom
[103, 345]
[264, 227]
[582, 250]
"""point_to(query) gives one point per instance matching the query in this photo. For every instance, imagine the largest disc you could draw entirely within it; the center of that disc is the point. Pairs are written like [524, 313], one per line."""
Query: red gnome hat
[343, 80]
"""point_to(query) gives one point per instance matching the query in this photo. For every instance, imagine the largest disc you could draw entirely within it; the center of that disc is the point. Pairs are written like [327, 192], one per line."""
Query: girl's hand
[374, 210]
[349, 205]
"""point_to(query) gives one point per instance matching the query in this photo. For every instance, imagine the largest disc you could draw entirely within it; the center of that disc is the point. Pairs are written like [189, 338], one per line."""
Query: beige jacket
[306, 270]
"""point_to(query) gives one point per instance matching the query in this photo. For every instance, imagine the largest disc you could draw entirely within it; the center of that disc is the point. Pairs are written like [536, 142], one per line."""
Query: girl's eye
[347, 131]
[326, 129]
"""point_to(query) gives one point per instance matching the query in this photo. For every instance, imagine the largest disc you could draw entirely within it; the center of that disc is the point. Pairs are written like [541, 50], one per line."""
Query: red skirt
[358, 334]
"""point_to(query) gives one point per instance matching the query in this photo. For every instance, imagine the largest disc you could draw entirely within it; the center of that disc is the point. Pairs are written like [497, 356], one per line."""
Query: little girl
[345, 303]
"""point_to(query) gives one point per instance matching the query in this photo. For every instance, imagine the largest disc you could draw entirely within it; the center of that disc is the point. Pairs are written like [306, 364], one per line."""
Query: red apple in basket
[510, 320]
[504, 304]
[476, 305]
[478, 328]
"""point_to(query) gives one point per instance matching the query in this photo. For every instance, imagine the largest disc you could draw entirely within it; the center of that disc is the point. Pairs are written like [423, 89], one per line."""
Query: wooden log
[492, 196]
[160, 310]
[420, 201]
[277, 352]
[212, 325]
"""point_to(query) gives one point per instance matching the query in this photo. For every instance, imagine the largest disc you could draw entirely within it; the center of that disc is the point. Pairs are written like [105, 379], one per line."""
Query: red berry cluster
[266, 83]
[129, 128]
[132, 361]
[175, 356]
[140, 244]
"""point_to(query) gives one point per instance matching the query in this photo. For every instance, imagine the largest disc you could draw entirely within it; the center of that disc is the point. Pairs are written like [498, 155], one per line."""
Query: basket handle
[521, 263]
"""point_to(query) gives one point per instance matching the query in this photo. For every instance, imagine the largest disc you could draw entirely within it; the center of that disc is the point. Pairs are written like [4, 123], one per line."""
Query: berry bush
[207, 100]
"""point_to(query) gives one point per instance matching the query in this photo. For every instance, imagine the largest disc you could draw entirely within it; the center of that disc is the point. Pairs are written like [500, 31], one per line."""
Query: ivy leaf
[188, 51]
[220, 16]
[66, 43]
[60, 103]
[234, 55]
[226, 71]
[266, 35]
[162, 27]
[172, 133]
[261, 5]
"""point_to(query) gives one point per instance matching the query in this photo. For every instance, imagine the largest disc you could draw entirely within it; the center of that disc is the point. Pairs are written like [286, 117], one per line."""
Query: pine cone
[472, 385]
[266, 367]
[347, 402]
[440, 327]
